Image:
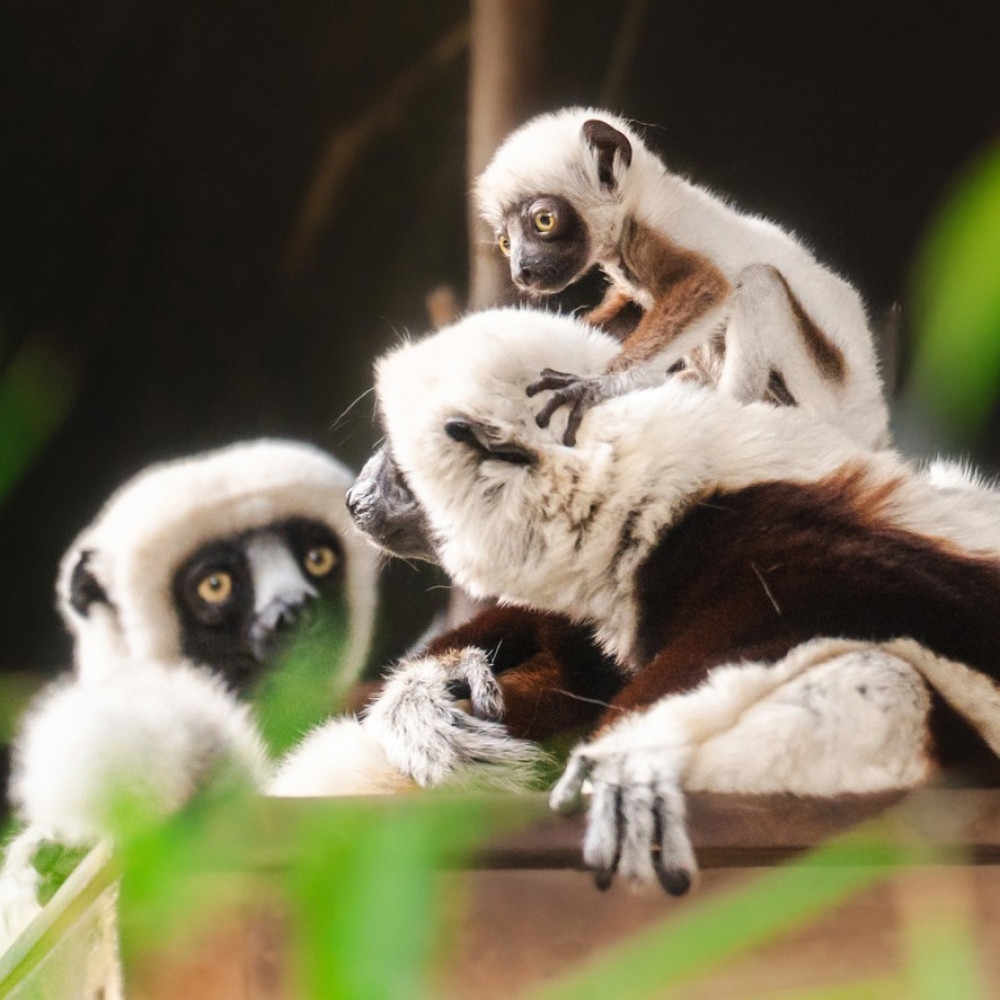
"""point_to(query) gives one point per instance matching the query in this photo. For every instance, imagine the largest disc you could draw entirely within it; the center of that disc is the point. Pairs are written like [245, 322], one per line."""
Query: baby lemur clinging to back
[742, 302]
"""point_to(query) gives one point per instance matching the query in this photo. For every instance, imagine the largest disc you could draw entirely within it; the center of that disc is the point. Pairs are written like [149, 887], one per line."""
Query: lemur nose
[525, 274]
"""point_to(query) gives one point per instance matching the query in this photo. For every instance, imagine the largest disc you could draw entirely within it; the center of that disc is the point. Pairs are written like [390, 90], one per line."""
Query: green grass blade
[956, 305]
[36, 391]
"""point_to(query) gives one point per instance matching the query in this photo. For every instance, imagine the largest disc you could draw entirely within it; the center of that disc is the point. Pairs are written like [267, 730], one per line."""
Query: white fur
[143, 739]
[547, 535]
[429, 737]
[548, 156]
[339, 757]
[158, 518]
[832, 717]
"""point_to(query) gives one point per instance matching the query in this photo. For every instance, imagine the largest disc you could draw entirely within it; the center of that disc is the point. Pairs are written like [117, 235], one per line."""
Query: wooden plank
[740, 831]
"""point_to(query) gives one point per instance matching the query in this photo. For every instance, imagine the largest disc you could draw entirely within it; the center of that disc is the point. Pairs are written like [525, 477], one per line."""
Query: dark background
[157, 159]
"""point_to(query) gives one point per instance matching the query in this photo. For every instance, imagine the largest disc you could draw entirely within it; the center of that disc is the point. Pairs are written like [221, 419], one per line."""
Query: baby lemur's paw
[635, 819]
[575, 391]
[422, 724]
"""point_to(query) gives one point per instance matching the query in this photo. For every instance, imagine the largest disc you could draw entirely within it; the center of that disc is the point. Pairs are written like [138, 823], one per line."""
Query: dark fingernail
[676, 881]
[603, 878]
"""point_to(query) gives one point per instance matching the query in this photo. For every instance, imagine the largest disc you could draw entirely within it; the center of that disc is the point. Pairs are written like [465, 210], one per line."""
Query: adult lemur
[747, 305]
[787, 611]
[179, 596]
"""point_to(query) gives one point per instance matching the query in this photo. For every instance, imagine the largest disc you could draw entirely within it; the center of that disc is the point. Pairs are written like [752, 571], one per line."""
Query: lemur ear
[84, 588]
[607, 141]
[485, 439]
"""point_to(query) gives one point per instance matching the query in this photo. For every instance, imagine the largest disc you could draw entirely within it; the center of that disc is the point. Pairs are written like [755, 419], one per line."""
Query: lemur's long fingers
[545, 413]
[576, 415]
[549, 378]
[567, 795]
[484, 691]
[673, 858]
[606, 832]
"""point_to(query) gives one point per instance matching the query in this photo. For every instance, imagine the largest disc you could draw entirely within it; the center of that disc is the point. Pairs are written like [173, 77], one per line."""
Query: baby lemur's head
[556, 193]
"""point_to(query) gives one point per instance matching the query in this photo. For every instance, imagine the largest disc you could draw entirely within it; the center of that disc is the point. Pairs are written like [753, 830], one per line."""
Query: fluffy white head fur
[549, 533]
[548, 155]
[155, 520]
[143, 739]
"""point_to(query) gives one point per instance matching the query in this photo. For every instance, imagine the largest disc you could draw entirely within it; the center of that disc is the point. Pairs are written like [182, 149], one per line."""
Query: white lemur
[745, 303]
[217, 558]
[179, 596]
[785, 609]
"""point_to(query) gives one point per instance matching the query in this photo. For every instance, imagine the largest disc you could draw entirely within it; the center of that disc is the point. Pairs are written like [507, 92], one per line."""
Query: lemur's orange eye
[216, 588]
[503, 242]
[320, 560]
[544, 221]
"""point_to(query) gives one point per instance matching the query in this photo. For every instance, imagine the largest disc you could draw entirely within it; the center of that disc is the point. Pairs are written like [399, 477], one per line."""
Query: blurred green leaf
[16, 691]
[306, 687]
[956, 304]
[36, 391]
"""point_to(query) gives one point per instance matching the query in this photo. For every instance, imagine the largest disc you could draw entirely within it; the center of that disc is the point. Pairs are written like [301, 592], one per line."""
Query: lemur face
[553, 193]
[217, 559]
[241, 599]
[505, 501]
[547, 243]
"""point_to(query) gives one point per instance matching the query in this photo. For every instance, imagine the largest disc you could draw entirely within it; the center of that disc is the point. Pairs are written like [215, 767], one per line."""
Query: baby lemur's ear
[488, 441]
[608, 142]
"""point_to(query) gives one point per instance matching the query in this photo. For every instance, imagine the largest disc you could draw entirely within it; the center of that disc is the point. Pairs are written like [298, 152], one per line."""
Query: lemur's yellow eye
[544, 221]
[216, 588]
[504, 243]
[320, 560]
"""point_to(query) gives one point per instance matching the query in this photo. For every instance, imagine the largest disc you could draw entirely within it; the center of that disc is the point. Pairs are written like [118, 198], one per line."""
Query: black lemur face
[547, 243]
[239, 599]
[384, 509]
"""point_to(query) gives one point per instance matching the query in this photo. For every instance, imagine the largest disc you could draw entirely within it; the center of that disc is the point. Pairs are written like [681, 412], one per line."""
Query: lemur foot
[635, 822]
[577, 392]
[425, 732]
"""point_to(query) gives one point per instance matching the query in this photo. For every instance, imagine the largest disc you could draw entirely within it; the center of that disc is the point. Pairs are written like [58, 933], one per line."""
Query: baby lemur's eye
[216, 588]
[544, 221]
[504, 243]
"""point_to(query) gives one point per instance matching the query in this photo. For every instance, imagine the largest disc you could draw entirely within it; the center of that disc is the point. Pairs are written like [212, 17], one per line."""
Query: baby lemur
[739, 300]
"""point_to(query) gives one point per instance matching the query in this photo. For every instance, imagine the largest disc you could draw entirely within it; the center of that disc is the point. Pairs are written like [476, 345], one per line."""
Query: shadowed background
[213, 216]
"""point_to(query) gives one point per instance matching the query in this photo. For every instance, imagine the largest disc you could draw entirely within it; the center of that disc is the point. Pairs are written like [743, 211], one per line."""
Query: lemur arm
[685, 287]
[552, 675]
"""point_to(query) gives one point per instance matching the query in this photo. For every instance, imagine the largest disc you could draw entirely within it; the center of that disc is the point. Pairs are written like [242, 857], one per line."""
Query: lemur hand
[578, 392]
[635, 821]
[425, 732]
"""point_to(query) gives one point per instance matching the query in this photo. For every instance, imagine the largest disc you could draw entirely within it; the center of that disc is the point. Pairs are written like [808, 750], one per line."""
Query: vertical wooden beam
[505, 62]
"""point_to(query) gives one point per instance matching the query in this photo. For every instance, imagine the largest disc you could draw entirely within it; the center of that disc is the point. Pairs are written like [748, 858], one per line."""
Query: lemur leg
[770, 339]
[739, 731]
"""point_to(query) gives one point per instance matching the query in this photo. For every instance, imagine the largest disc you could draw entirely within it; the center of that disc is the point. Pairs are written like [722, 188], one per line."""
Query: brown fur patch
[750, 574]
[553, 676]
[617, 314]
[684, 285]
[826, 356]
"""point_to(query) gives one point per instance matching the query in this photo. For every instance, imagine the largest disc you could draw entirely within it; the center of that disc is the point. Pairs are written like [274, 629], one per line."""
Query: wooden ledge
[727, 831]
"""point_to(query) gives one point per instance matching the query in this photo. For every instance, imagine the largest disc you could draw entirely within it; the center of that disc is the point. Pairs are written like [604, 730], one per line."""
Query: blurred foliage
[36, 391]
[304, 689]
[956, 304]
[359, 879]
